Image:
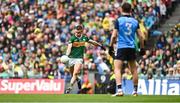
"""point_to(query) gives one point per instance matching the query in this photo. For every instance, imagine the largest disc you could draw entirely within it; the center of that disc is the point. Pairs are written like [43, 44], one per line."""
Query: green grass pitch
[76, 98]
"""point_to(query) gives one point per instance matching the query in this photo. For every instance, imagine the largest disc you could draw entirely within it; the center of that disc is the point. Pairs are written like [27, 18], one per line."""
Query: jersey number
[128, 30]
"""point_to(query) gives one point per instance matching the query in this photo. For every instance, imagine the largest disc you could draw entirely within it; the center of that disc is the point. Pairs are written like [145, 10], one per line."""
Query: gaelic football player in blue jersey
[124, 33]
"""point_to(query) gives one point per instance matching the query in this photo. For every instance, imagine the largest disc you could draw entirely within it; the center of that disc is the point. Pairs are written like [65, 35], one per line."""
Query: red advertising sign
[31, 86]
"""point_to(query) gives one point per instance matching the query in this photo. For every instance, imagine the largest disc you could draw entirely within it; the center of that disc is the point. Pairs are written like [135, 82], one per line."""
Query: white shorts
[73, 61]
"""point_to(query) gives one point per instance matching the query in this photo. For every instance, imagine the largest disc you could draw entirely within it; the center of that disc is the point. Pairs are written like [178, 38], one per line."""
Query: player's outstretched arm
[96, 44]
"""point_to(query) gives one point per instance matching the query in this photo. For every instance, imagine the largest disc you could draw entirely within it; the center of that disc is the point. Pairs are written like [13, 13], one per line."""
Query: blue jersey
[127, 27]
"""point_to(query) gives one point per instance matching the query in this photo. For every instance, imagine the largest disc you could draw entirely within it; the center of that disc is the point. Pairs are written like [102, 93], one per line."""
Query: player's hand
[142, 51]
[111, 51]
[103, 48]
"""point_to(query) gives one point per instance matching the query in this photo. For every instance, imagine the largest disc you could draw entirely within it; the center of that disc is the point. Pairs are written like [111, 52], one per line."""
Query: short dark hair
[78, 27]
[126, 7]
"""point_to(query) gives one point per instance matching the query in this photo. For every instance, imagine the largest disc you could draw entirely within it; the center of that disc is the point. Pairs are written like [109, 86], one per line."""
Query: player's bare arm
[113, 40]
[96, 43]
[113, 37]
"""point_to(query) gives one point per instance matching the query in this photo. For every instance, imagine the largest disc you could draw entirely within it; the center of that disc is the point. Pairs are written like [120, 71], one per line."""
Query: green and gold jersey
[78, 46]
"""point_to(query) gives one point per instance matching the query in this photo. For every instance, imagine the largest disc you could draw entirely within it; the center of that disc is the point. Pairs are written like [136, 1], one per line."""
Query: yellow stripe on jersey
[78, 44]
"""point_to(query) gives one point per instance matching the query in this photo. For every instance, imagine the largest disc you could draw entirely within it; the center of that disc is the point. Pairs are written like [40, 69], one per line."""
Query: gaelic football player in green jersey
[75, 52]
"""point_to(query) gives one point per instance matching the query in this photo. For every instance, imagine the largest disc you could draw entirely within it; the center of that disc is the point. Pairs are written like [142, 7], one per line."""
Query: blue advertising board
[153, 87]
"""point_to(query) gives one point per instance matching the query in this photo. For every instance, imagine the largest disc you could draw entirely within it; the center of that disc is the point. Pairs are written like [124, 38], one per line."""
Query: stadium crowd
[35, 33]
[163, 60]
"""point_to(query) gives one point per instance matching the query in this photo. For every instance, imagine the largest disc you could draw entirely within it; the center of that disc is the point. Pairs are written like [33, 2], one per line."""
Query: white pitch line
[90, 102]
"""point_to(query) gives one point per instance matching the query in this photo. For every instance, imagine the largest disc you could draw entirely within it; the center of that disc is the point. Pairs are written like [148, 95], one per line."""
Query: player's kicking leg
[118, 76]
[132, 65]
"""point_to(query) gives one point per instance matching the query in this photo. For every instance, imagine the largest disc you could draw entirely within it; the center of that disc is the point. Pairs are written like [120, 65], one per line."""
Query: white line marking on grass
[90, 102]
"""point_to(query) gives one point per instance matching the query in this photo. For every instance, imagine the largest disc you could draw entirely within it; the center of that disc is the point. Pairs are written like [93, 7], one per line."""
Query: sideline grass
[74, 98]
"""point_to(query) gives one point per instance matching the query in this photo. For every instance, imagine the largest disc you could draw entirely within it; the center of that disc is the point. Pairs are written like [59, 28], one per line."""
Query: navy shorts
[125, 54]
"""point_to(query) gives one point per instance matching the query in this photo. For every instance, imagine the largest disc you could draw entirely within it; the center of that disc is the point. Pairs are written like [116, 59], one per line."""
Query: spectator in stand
[102, 67]
[86, 87]
[158, 75]
[171, 73]
[127, 75]
[162, 11]
[177, 67]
